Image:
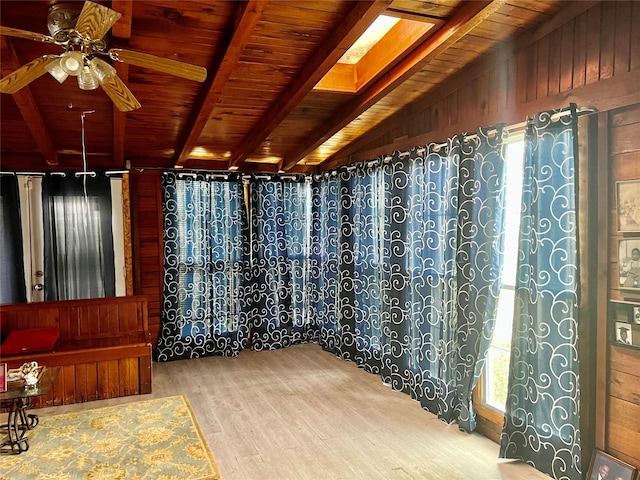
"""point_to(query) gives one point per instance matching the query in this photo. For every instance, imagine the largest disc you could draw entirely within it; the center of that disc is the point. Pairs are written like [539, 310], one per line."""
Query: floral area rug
[153, 439]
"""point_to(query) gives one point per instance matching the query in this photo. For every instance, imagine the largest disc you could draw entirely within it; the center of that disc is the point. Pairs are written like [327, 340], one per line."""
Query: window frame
[484, 410]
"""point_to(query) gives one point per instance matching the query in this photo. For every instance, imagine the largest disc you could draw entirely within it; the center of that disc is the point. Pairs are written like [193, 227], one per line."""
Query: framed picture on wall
[628, 205]
[629, 263]
[604, 466]
[624, 318]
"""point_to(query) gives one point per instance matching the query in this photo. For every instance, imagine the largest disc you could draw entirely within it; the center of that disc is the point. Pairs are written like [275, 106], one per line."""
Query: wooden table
[16, 399]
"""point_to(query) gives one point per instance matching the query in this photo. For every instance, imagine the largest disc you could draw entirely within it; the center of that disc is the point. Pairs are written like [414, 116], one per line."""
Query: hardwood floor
[301, 413]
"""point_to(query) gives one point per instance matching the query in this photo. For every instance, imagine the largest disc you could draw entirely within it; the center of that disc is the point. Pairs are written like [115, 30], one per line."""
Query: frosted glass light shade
[56, 71]
[72, 62]
[101, 69]
[87, 80]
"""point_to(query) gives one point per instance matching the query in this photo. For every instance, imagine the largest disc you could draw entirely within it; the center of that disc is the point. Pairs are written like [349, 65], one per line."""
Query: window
[78, 237]
[494, 394]
[72, 244]
[209, 254]
[385, 41]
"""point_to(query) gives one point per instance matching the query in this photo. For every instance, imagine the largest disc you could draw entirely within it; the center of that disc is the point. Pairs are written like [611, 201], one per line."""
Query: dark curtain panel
[324, 259]
[346, 268]
[406, 262]
[281, 227]
[206, 273]
[420, 281]
[12, 286]
[359, 266]
[443, 245]
[78, 240]
[543, 406]
[479, 258]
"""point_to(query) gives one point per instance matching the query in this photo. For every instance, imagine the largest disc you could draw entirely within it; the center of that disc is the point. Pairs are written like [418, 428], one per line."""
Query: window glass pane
[515, 159]
[78, 238]
[497, 363]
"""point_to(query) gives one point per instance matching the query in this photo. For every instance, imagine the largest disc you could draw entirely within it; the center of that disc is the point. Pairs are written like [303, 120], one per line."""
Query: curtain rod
[518, 126]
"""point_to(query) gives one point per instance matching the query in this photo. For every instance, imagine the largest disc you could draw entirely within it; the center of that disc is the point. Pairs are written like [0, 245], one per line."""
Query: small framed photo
[625, 327]
[624, 334]
[604, 466]
[629, 264]
[628, 205]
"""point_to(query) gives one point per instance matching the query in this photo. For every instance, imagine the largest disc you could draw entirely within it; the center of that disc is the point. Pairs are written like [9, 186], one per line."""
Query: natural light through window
[382, 45]
[497, 364]
[378, 29]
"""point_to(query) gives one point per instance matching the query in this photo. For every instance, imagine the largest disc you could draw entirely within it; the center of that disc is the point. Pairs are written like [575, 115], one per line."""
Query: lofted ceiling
[257, 110]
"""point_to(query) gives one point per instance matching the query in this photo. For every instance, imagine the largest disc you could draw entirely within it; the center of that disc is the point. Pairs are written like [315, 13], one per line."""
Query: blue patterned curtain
[543, 405]
[359, 268]
[419, 289]
[444, 218]
[323, 259]
[347, 220]
[206, 276]
[481, 237]
[281, 236]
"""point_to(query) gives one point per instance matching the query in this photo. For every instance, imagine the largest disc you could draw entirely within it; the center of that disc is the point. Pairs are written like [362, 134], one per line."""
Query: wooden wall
[622, 432]
[146, 219]
[103, 349]
[588, 54]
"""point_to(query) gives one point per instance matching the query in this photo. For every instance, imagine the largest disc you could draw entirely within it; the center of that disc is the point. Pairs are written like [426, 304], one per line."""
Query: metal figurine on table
[29, 381]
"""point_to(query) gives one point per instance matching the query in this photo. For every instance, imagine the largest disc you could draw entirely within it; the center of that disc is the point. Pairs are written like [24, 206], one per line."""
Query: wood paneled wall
[103, 349]
[588, 54]
[622, 432]
[146, 219]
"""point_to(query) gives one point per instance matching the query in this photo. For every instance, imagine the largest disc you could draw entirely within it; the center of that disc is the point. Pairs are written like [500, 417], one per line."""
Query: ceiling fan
[81, 33]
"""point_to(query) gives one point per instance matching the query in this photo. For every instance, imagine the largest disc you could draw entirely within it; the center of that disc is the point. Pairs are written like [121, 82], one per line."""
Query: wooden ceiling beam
[350, 29]
[463, 21]
[122, 30]
[499, 54]
[249, 13]
[26, 104]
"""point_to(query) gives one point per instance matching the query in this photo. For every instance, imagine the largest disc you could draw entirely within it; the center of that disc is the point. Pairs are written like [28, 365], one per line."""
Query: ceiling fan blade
[166, 65]
[95, 20]
[118, 92]
[16, 32]
[25, 74]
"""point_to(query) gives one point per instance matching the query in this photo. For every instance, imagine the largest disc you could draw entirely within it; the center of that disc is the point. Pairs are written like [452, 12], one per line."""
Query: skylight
[380, 46]
[378, 29]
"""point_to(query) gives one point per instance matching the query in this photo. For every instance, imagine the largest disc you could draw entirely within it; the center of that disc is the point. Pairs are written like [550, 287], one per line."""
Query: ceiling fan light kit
[82, 35]
[72, 62]
[101, 69]
[87, 80]
[56, 71]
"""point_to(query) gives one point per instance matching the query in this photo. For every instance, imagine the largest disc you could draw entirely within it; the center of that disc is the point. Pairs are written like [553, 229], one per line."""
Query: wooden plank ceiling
[258, 109]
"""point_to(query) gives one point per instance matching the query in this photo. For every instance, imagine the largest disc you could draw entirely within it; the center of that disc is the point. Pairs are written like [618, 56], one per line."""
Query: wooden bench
[103, 349]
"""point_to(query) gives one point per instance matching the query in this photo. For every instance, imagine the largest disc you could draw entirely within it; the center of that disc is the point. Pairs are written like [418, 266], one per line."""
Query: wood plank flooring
[301, 413]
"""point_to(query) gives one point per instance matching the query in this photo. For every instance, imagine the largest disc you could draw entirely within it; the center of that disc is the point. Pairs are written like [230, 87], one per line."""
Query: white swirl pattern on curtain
[542, 417]
[279, 304]
[206, 276]
[346, 265]
[406, 264]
